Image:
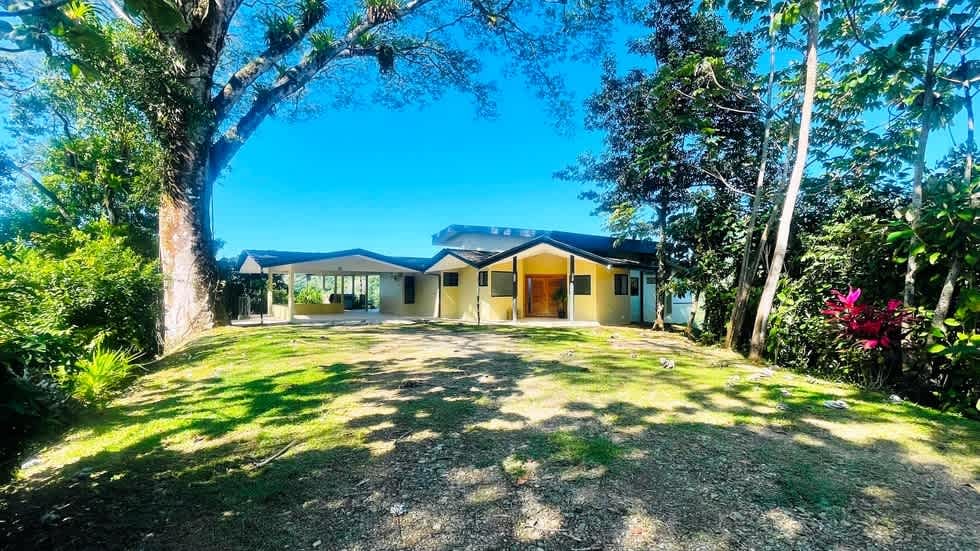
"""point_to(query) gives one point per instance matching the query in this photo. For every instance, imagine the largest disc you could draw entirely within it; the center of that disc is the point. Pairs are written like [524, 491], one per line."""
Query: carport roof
[272, 259]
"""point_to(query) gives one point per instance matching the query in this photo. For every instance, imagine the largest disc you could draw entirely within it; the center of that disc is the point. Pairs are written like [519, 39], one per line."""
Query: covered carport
[399, 281]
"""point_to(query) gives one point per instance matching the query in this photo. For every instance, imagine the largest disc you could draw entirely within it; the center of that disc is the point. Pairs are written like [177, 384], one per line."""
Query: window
[501, 284]
[634, 286]
[484, 278]
[450, 279]
[619, 282]
[668, 305]
[409, 289]
[583, 285]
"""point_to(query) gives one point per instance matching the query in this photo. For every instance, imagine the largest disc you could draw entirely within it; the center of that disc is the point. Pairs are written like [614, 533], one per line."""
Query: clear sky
[386, 180]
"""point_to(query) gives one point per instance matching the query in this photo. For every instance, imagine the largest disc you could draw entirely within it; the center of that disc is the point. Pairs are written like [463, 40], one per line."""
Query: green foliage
[96, 377]
[83, 289]
[309, 295]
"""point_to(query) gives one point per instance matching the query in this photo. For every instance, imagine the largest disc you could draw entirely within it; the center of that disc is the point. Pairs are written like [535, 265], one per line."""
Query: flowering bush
[868, 335]
[864, 324]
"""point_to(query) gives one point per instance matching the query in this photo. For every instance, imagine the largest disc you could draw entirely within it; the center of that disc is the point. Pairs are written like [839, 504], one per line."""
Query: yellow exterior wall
[603, 305]
[585, 305]
[610, 307]
[498, 308]
[460, 302]
[546, 264]
[317, 309]
[393, 295]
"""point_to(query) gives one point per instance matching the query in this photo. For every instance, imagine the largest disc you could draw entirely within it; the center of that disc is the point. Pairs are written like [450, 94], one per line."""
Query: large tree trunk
[928, 102]
[661, 261]
[745, 273]
[760, 328]
[190, 290]
[949, 285]
[696, 299]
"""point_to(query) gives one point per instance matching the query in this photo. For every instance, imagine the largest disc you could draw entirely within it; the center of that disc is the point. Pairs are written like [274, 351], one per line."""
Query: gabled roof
[548, 240]
[597, 244]
[269, 259]
[473, 258]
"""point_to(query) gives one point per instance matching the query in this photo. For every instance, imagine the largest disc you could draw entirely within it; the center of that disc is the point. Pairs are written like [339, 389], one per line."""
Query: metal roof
[605, 250]
[597, 244]
[268, 259]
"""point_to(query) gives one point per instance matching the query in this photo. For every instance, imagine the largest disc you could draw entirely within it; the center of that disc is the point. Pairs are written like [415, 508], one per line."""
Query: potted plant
[560, 296]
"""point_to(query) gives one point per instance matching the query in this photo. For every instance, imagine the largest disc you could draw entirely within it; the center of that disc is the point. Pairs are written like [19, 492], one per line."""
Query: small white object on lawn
[895, 399]
[398, 509]
[317, 543]
[666, 363]
[836, 404]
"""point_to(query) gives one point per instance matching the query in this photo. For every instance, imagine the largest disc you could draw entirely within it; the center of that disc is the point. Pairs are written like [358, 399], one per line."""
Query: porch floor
[350, 317]
[360, 317]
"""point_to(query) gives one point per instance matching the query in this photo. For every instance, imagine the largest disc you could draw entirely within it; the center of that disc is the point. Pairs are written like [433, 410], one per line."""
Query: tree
[811, 11]
[691, 125]
[174, 55]
[906, 53]
[748, 268]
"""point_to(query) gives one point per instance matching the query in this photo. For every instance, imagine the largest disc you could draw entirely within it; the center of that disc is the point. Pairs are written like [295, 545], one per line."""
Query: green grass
[275, 437]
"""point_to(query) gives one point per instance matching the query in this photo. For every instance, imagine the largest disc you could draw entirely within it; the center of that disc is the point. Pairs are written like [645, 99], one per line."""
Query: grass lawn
[438, 436]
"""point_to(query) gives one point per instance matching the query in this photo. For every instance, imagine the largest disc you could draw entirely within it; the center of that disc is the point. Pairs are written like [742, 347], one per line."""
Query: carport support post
[292, 285]
[268, 294]
[570, 299]
[513, 300]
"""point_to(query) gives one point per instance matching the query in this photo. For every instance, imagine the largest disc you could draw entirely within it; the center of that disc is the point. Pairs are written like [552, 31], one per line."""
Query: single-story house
[486, 273]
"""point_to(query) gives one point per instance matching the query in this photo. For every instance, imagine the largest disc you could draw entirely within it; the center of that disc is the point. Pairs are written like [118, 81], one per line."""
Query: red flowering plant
[876, 331]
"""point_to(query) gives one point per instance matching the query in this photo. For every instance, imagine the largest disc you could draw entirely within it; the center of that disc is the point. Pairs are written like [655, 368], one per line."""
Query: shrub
[96, 377]
[869, 337]
[55, 302]
[309, 295]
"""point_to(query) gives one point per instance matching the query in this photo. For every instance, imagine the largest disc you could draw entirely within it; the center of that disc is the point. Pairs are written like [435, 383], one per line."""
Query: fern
[96, 377]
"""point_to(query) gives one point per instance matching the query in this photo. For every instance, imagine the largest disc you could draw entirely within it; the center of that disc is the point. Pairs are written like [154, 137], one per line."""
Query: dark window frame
[447, 283]
[583, 290]
[510, 280]
[620, 284]
[634, 286]
[483, 278]
[408, 297]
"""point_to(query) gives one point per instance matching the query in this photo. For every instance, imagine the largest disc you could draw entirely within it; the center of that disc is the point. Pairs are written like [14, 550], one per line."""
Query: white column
[513, 301]
[342, 285]
[268, 295]
[570, 306]
[289, 304]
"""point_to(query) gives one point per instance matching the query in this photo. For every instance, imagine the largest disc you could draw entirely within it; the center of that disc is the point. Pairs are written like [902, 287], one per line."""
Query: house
[486, 274]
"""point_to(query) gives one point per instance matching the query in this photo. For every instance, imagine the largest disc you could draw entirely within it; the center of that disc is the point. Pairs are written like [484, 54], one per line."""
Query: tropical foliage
[694, 159]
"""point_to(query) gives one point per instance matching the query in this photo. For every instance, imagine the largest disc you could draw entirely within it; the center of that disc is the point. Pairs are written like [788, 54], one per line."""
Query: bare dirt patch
[438, 436]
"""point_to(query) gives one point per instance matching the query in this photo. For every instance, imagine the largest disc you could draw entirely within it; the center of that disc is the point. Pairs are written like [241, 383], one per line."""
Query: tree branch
[293, 80]
[47, 193]
[20, 10]
[244, 77]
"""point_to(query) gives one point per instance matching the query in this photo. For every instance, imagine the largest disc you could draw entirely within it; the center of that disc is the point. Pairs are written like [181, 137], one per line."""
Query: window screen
[484, 279]
[619, 283]
[634, 286]
[450, 279]
[583, 285]
[409, 289]
[501, 284]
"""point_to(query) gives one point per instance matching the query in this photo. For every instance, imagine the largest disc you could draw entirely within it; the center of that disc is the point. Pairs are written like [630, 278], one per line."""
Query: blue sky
[386, 180]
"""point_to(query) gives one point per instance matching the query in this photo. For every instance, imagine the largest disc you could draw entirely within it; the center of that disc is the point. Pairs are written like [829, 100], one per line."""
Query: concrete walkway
[360, 317]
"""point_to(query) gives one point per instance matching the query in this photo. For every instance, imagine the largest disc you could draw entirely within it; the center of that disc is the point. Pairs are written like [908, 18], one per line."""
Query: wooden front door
[541, 295]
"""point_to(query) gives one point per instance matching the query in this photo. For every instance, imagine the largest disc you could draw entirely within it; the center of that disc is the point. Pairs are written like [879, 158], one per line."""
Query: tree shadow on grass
[434, 456]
